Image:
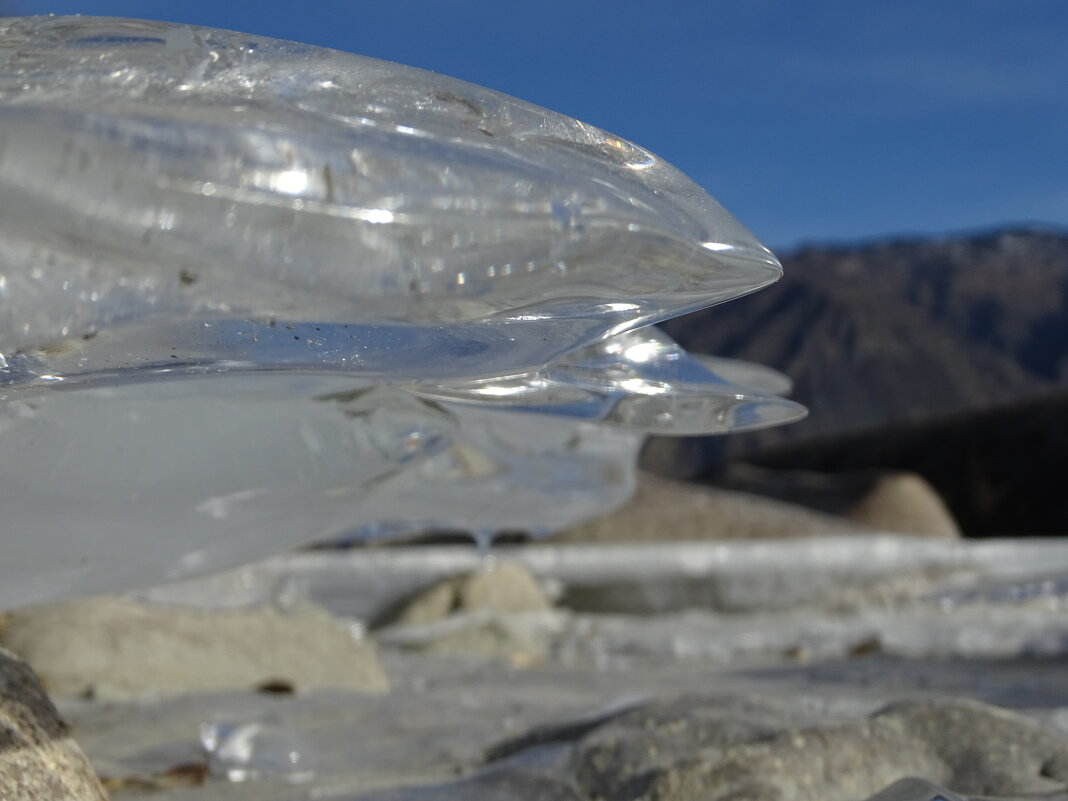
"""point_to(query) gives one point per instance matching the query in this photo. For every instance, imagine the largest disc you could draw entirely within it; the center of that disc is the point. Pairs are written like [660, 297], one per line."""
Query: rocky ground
[698, 645]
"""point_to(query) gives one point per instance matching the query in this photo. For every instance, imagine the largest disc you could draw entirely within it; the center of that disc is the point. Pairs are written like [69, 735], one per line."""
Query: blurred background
[907, 162]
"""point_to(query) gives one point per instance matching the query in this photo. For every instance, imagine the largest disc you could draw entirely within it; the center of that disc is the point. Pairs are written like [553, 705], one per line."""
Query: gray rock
[490, 613]
[39, 761]
[505, 588]
[878, 500]
[904, 503]
[665, 510]
[514, 639]
[504, 782]
[118, 647]
[719, 748]
[987, 750]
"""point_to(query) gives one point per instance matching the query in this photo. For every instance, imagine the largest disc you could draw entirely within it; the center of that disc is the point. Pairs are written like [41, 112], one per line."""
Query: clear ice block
[254, 292]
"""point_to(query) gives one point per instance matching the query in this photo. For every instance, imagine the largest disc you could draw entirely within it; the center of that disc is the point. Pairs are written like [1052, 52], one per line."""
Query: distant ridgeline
[945, 356]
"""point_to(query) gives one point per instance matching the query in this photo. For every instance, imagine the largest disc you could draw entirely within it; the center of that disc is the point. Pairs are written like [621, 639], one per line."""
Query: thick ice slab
[183, 174]
[254, 292]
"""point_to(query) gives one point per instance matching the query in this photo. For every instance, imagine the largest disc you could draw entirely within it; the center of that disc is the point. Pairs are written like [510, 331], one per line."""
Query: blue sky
[824, 121]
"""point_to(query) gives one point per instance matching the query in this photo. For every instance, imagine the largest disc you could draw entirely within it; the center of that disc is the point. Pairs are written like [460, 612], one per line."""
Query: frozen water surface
[254, 292]
[459, 727]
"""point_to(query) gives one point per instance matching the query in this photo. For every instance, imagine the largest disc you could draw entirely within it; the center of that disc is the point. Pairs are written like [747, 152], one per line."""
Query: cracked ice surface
[254, 292]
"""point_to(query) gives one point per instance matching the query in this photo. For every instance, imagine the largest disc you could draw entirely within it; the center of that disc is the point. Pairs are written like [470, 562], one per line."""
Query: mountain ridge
[947, 357]
[900, 329]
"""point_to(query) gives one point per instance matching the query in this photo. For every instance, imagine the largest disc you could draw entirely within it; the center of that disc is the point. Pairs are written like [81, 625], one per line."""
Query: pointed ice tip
[717, 247]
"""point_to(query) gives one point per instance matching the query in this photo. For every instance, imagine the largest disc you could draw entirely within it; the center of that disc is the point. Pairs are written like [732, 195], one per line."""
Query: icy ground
[818, 632]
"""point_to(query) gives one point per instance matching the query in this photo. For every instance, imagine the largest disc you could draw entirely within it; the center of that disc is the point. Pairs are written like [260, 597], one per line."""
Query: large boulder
[904, 503]
[727, 747]
[667, 510]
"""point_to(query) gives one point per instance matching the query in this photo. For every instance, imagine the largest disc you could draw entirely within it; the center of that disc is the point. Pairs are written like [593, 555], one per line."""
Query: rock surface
[663, 509]
[482, 635]
[719, 747]
[907, 504]
[484, 613]
[117, 647]
[505, 587]
[39, 761]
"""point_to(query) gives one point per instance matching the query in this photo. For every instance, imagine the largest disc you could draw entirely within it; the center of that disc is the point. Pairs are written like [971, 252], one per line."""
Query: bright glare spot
[716, 246]
[505, 390]
[639, 386]
[166, 218]
[290, 182]
[638, 159]
[642, 352]
[377, 215]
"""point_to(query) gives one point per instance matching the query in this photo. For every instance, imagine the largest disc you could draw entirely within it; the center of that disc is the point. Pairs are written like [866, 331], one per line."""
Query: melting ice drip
[254, 292]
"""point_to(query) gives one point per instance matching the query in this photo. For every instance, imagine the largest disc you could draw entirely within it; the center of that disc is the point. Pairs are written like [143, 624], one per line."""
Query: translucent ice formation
[259, 747]
[254, 292]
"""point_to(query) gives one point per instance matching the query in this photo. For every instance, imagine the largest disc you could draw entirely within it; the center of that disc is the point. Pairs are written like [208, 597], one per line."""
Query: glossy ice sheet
[254, 292]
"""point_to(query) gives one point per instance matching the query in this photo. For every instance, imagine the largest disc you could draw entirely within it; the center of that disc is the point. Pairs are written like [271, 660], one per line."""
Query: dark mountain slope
[893, 332]
[1001, 471]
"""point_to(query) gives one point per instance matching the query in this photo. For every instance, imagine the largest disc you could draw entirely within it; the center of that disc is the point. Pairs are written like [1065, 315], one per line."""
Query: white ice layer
[254, 292]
